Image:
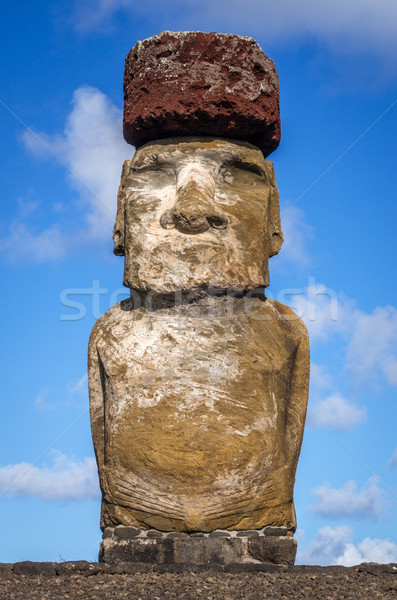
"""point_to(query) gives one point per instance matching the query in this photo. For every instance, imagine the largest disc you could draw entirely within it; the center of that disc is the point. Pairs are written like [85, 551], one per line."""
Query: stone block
[193, 550]
[277, 531]
[144, 550]
[125, 532]
[153, 533]
[215, 534]
[107, 532]
[271, 549]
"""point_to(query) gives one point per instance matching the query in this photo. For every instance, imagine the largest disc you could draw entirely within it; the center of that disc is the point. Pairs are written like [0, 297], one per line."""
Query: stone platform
[271, 545]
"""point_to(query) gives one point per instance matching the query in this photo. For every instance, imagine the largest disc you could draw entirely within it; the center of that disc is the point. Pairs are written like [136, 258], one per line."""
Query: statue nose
[193, 212]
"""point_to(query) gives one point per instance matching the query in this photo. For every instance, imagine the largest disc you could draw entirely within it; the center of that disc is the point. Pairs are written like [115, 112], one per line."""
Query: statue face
[197, 212]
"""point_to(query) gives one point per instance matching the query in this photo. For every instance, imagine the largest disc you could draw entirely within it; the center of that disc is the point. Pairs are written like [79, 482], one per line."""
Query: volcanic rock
[194, 83]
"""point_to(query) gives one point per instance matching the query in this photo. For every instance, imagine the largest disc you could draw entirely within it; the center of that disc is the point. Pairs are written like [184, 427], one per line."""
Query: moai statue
[198, 382]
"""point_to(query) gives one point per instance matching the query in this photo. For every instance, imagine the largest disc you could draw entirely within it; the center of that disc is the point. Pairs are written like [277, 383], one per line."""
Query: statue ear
[118, 230]
[274, 231]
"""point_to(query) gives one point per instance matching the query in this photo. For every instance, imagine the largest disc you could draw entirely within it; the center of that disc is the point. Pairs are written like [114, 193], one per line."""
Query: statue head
[197, 213]
[198, 203]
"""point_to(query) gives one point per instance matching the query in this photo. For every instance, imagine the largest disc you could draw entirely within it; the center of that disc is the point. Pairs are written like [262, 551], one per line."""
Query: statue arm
[299, 390]
[97, 403]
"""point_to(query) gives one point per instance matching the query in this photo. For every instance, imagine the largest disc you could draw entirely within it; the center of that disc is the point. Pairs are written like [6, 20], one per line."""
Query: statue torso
[195, 409]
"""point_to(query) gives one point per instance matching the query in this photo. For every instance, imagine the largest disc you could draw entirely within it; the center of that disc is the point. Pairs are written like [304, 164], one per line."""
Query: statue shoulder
[105, 325]
[287, 319]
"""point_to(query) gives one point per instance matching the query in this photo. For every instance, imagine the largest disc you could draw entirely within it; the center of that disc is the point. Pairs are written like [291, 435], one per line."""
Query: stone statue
[198, 382]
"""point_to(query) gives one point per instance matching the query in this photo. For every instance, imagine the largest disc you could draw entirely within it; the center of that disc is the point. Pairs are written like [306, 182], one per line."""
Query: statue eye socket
[151, 178]
[241, 170]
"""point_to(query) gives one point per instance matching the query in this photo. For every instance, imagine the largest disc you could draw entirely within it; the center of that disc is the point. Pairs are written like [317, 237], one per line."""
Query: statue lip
[190, 241]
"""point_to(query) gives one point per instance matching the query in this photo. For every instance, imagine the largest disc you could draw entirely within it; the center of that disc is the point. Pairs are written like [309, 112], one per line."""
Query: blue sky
[61, 156]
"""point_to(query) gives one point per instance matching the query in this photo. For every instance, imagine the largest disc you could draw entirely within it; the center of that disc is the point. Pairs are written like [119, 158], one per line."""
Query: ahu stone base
[271, 545]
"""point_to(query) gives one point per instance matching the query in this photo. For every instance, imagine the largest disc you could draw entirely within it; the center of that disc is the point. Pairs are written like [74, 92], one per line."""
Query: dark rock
[135, 550]
[250, 533]
[81, 567]
[127, 568]
[177, 534]
[107, 532]
[146, 581]
[5, 569]
[188, 568]
[252, 567]
[319, 570]
[194, 83]
[214, 551]
[270, 549]
[153, 533]
[377, 568]
[218, 534]
[182, 549]
[277, 531]
[125, 532]
[27, 567]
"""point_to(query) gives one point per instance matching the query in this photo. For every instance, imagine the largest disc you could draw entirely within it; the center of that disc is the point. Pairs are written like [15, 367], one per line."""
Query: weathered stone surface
[5, 569]
[198, 383]
[28, 567]
[78, 567]
[275, 531]
[197, 213]
[126, 532]
[198, 387]
[194, 83]
[145, 550]
[217, 551]
[190, 550]
[107, 532]
[123, 532]
[145, 581]
[377, 568]
[152, 533]
[270, 549]
[205, 406]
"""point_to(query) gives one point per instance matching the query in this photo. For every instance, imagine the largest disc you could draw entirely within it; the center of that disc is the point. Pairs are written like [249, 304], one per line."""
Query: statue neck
[207, 297]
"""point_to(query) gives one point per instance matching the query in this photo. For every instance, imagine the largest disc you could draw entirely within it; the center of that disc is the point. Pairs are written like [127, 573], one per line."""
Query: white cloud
[372, 349]
[79, 386]
[65, 480]
[319, 377]
[328, 544]
[324, 312]
[336, 412]
[40, 401]
[393, 460]
[333, 411]
[369, 550]
[92, 149]
[296, 234]
[96, 15]
[366, 26]
[347, 501]
[21, 242]
[333, 546]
